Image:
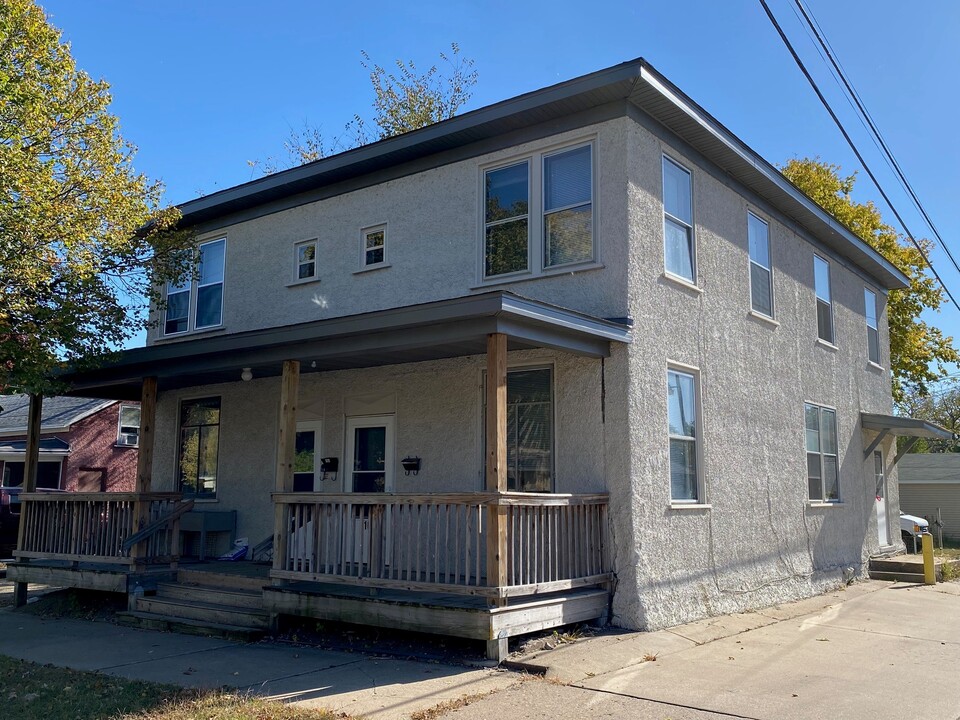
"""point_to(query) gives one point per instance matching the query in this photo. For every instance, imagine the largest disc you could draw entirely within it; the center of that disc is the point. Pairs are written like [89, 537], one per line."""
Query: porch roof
[414, 333]
[903, 426]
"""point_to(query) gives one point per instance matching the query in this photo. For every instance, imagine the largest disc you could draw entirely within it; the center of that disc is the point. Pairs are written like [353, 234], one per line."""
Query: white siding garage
[931, 482]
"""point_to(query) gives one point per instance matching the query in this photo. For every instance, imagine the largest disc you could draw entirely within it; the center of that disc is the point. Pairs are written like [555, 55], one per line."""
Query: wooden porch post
[496, 423]
[144, 479]
[286, 446]
[30, 466]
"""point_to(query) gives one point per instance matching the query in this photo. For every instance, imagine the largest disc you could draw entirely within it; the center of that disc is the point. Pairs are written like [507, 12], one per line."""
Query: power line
[846, 136]
[895, 165]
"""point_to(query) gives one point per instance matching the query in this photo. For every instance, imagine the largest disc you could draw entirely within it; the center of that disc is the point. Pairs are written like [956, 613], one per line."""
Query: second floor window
[821, 285]
[761, 276]
[306, 259]
[548, 196]
[678, 247]
[374, 250]
[873, 332]
[201, 298]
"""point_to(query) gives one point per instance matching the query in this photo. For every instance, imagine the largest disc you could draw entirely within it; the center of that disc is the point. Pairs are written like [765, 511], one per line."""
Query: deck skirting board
[86, 579]
[419, 615]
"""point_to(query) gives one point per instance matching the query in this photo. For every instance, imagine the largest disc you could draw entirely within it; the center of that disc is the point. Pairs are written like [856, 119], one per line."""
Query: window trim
[875, 327]
[822, 501]
[701, 500]
[192, 288]
[296, 279]
[691, 227]
[178, 446]
[536, 241]
[751, 262]
[120, 426]
[832, 340]
[365, 232]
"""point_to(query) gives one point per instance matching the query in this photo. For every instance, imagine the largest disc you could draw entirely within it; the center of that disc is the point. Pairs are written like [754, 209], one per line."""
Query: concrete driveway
[876, 650]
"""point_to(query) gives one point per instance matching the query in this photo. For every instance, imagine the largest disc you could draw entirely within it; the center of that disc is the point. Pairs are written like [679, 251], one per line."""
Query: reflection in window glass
[682, 417]
[678, 221]
[199, 446]
[506, 207]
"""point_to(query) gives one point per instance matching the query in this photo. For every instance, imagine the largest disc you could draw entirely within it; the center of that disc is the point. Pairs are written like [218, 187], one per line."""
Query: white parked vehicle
[911, 528]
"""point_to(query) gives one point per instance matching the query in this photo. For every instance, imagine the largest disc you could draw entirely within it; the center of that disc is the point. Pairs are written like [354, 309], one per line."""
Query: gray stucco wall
[760, 541]
[433, 242]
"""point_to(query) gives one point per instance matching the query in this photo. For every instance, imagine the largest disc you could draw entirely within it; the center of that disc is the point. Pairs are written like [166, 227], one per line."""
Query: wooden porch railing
[93, 527]
[438, 542]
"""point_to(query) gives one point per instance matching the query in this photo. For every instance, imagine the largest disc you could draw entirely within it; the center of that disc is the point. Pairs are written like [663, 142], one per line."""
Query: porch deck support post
[496, 474]
[144, 479]
[286, 446]
[30, 466]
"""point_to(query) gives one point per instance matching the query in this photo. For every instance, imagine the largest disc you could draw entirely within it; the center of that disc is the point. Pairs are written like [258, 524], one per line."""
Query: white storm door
[306, 458]
[883, 530]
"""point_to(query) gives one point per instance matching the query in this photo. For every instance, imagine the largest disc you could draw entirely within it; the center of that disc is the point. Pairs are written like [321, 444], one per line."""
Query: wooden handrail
[157, 525]
[94, 496]
[467, 498]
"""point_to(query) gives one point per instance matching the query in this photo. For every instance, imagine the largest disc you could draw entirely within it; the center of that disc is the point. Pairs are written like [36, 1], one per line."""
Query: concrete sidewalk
[875, 650]
[376, 687]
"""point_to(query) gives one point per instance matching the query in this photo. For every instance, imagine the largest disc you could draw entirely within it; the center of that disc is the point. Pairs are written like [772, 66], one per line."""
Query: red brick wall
[93, 444]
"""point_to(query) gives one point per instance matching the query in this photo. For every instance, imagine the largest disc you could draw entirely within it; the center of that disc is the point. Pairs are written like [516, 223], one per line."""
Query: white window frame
[365, 232]
[817, 300]
[700, 486]
[121, 439]
[312, 242]
[192, 287]
[769, 270]
[836, 430]
[536, 239]
[870, 298]
[690, 227]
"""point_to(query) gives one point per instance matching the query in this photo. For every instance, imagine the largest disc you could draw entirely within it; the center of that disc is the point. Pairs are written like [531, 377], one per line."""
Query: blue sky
[204, 87]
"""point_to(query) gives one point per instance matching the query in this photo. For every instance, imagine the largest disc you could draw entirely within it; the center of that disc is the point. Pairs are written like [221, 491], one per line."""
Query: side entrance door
[883, 530]
[369, 460]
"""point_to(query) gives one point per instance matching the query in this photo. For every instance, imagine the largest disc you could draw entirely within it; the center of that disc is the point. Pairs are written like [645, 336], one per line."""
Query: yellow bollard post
[929, 569]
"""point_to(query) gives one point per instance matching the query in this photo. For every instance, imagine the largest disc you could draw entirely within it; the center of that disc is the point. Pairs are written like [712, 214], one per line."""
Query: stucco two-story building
[581, 352]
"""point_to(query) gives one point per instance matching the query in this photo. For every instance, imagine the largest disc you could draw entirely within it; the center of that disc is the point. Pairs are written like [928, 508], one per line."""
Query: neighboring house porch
[351, 541]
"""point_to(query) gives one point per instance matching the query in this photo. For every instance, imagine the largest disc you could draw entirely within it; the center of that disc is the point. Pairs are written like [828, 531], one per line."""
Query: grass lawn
[42, 692]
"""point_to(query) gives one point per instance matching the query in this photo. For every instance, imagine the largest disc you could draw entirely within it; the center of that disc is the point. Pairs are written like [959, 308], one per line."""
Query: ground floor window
[199, 446]
[823, 479]
[48, 474]
[529, 429]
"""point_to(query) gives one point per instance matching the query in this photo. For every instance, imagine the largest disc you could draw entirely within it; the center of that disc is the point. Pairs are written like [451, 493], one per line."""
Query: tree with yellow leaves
[83, 240]
[918, 351]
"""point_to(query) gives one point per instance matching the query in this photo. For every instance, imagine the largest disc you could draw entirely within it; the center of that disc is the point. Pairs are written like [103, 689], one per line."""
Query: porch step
[207, 578]
[206, 612]
[896, 576]
[153, 621]
[194, 594]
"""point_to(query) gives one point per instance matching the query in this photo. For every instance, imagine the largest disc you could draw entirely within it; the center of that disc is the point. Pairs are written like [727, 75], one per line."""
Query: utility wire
[846, 136]
[820, 36]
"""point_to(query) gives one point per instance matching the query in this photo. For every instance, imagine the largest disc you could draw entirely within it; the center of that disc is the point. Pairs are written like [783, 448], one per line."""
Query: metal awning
[430, 331]
[912, 428]
[48, 446]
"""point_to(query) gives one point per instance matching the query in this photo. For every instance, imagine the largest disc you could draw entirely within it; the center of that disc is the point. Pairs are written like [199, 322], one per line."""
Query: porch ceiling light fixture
[411, 464]
[246, 375]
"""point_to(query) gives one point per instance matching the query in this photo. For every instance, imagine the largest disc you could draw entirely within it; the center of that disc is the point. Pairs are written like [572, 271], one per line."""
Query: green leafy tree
[83, 241]
[918, 351]
[405, 99]
[941, 405]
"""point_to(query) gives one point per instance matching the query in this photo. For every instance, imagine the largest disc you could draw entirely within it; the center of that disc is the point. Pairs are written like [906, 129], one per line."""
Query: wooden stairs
[204, 602]
[899, 568]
